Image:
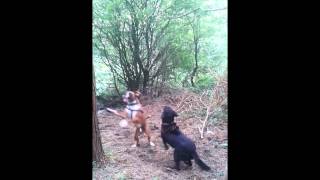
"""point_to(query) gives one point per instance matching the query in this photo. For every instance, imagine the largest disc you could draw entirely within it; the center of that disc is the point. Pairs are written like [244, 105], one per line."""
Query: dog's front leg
[177, 167]
[121, 114]
[165, 144]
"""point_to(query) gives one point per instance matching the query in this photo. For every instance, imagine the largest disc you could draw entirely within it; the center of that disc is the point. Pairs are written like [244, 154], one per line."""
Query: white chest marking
[132, 110]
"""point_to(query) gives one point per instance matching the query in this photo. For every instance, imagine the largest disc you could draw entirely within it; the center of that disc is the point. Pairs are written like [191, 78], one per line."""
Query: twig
[201, 98]
[204, 122]
[180, 102]
[197, 10]
[183, 100]
[186, 14]
[216, 9]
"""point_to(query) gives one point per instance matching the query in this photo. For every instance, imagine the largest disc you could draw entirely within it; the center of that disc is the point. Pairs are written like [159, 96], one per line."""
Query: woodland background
[175, 53]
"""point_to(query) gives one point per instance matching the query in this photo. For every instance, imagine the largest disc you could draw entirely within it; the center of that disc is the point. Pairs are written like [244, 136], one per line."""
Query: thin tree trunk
[97, 150]
[132, 85]
[196, 50]
[145, 81]
[115, 84]
[196, 36]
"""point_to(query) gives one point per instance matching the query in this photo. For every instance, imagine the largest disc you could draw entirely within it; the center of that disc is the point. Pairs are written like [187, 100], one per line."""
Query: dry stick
[204, 122]
[183, 101]
[190, 106]
[180, 102]
[209, 112]
[190, 103]
[201, 98]
[181, 105]
[179, 108]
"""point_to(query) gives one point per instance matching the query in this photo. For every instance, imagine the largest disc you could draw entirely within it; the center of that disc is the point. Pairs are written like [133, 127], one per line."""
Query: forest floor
[154, 163]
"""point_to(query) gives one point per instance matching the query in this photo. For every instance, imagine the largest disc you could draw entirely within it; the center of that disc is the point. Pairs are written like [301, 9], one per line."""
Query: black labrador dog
[184, 148]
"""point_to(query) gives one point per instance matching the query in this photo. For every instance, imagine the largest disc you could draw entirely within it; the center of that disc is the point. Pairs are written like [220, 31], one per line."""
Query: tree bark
[97, 150]
[145, 81]
[196, 50]
[194, 69]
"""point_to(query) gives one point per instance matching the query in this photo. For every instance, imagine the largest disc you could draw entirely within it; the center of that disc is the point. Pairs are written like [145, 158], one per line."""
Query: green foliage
[205, 19]
[204, 81]
[103, 77]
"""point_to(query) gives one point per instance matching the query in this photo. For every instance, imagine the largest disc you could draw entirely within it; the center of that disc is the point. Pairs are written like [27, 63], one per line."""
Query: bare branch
[216, 9]
[186, 14]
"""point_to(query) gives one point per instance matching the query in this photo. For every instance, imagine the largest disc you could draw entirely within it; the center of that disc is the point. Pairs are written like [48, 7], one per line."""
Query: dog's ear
[174, 113]
[137, 94]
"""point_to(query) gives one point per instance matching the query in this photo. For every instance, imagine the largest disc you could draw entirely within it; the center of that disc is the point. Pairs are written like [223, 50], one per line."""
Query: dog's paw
[109, 110]
[134, 145]
[152, 144]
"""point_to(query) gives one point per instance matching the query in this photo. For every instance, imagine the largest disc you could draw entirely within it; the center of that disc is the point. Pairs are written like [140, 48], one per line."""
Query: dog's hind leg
[136, 138]
[189, 163]
[146, 131]
[176, 159]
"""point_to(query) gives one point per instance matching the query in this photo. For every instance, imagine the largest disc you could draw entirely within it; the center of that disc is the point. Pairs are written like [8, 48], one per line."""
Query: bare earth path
[149, 163]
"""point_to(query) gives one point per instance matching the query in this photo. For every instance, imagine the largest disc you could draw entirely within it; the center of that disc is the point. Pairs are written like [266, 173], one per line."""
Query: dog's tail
[200, 162]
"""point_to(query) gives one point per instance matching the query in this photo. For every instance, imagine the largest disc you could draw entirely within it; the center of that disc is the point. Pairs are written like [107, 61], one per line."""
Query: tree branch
[216, 9]
[197, 10]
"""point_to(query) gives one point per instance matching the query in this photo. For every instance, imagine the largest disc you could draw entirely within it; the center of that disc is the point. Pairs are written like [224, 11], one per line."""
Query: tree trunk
[196, 50]
[132, 85]
[115, 84]
[145, 81]
[97, 150]
[196, 36]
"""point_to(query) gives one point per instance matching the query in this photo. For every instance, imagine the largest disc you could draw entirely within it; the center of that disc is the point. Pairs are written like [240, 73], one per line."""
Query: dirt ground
[154, 163]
